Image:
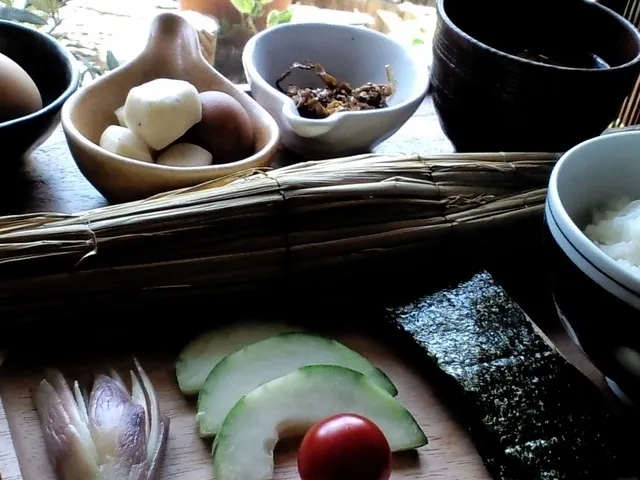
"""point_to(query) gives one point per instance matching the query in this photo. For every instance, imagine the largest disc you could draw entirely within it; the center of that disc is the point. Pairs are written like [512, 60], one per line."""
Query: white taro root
[120, 115]
[162, 110]
[185, 155]
[122, 141]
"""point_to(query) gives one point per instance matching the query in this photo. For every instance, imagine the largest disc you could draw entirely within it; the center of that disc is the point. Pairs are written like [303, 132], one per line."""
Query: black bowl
[54, 72]
[530, 76]
[598, 300]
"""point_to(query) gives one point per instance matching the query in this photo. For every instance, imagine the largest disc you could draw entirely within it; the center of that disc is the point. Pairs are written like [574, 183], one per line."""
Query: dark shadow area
[16, 187]
[352, 294]
[405, 460]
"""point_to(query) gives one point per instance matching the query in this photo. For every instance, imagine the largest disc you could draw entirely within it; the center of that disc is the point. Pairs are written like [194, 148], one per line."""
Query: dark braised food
[335, 96]
[532, 414]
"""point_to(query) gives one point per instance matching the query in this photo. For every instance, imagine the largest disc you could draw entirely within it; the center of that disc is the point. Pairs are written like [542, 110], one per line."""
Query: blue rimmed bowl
[597, 298]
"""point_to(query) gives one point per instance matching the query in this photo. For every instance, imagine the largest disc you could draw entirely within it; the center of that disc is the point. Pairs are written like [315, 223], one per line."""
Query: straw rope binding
[264, 225]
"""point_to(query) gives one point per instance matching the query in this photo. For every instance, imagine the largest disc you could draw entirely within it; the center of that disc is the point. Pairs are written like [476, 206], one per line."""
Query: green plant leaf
[417, 41]
[265, 2]
[278, 17]
[18, 15]
[49, 6]
[244, 6]
[257, 9]
[225, 28]
[112, 61]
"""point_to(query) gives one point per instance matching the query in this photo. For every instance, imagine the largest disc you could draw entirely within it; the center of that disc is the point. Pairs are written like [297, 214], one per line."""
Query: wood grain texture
[9, 464]
[450, 454]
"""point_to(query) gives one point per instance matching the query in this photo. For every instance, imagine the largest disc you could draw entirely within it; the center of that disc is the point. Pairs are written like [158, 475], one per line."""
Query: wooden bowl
[56, 75]
[173, 51]
[530, 76]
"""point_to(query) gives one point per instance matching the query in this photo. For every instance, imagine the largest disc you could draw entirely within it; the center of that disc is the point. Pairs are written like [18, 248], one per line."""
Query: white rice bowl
[615, 229]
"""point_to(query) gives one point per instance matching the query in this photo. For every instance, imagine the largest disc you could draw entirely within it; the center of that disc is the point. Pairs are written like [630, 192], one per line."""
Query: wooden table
[51, 182]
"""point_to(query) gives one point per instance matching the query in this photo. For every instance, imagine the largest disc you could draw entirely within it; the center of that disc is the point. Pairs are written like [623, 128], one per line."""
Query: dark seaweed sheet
[532, 414]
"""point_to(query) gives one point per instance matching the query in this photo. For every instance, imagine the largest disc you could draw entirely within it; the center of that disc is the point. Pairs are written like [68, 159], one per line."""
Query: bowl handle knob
[305, 127]
[172, 39]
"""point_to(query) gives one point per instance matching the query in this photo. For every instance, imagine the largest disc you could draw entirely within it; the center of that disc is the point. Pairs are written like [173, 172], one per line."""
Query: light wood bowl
[172, 51]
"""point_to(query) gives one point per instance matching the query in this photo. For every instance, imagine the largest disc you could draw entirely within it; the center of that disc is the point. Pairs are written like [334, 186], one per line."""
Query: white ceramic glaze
[350, 53]
[589, 176]
[601, 313]
[586, 264]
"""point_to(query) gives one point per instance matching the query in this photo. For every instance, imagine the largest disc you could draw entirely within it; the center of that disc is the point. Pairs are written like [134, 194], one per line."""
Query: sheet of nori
[532, 414]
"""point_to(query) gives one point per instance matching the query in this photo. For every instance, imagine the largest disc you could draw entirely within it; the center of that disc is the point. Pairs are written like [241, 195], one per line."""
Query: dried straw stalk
[260, 226]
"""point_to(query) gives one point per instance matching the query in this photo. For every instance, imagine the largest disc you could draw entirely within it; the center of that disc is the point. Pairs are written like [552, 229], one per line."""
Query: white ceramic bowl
[598, 300]
[356, 55]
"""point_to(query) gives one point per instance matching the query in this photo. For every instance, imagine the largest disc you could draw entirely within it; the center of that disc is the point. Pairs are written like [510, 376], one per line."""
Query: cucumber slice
[198, 358]
[289, 405]
[260, 362]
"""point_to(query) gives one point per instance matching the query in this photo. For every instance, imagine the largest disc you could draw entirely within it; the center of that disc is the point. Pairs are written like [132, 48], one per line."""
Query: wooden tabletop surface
[50, 181]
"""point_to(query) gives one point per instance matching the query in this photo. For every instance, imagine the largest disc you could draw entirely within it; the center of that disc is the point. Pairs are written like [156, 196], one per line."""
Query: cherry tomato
[344, 447]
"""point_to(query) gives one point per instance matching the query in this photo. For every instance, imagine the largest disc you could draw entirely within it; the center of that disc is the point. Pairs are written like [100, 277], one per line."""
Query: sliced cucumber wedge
[198, 358]
[248, 368]
[243, 450]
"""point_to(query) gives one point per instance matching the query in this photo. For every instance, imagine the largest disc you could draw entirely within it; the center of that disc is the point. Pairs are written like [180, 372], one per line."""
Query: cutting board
[450, 454]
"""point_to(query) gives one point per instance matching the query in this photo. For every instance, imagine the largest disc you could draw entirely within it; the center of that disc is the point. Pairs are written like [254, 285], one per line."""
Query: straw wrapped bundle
[265, 225]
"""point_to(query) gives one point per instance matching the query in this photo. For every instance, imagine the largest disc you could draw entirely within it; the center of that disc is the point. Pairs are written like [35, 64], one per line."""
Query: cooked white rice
[615, 229]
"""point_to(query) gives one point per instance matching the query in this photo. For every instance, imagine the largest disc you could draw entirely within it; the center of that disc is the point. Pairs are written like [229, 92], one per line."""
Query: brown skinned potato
[225, 129]
[20, 95]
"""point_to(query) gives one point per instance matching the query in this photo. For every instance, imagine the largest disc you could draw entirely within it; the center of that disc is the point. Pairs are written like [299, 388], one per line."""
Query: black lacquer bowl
[530, 76]
[598, 300]
[54, 71]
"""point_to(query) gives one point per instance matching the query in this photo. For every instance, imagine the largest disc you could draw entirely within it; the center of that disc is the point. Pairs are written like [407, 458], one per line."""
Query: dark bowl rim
[590, 4]
[71, 67]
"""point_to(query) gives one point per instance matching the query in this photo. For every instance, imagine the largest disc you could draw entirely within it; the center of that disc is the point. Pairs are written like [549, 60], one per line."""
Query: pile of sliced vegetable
[257, 383]
[115, 433]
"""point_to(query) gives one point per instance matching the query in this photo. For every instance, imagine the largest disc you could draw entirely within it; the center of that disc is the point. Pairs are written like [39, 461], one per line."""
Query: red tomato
[344, 447]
